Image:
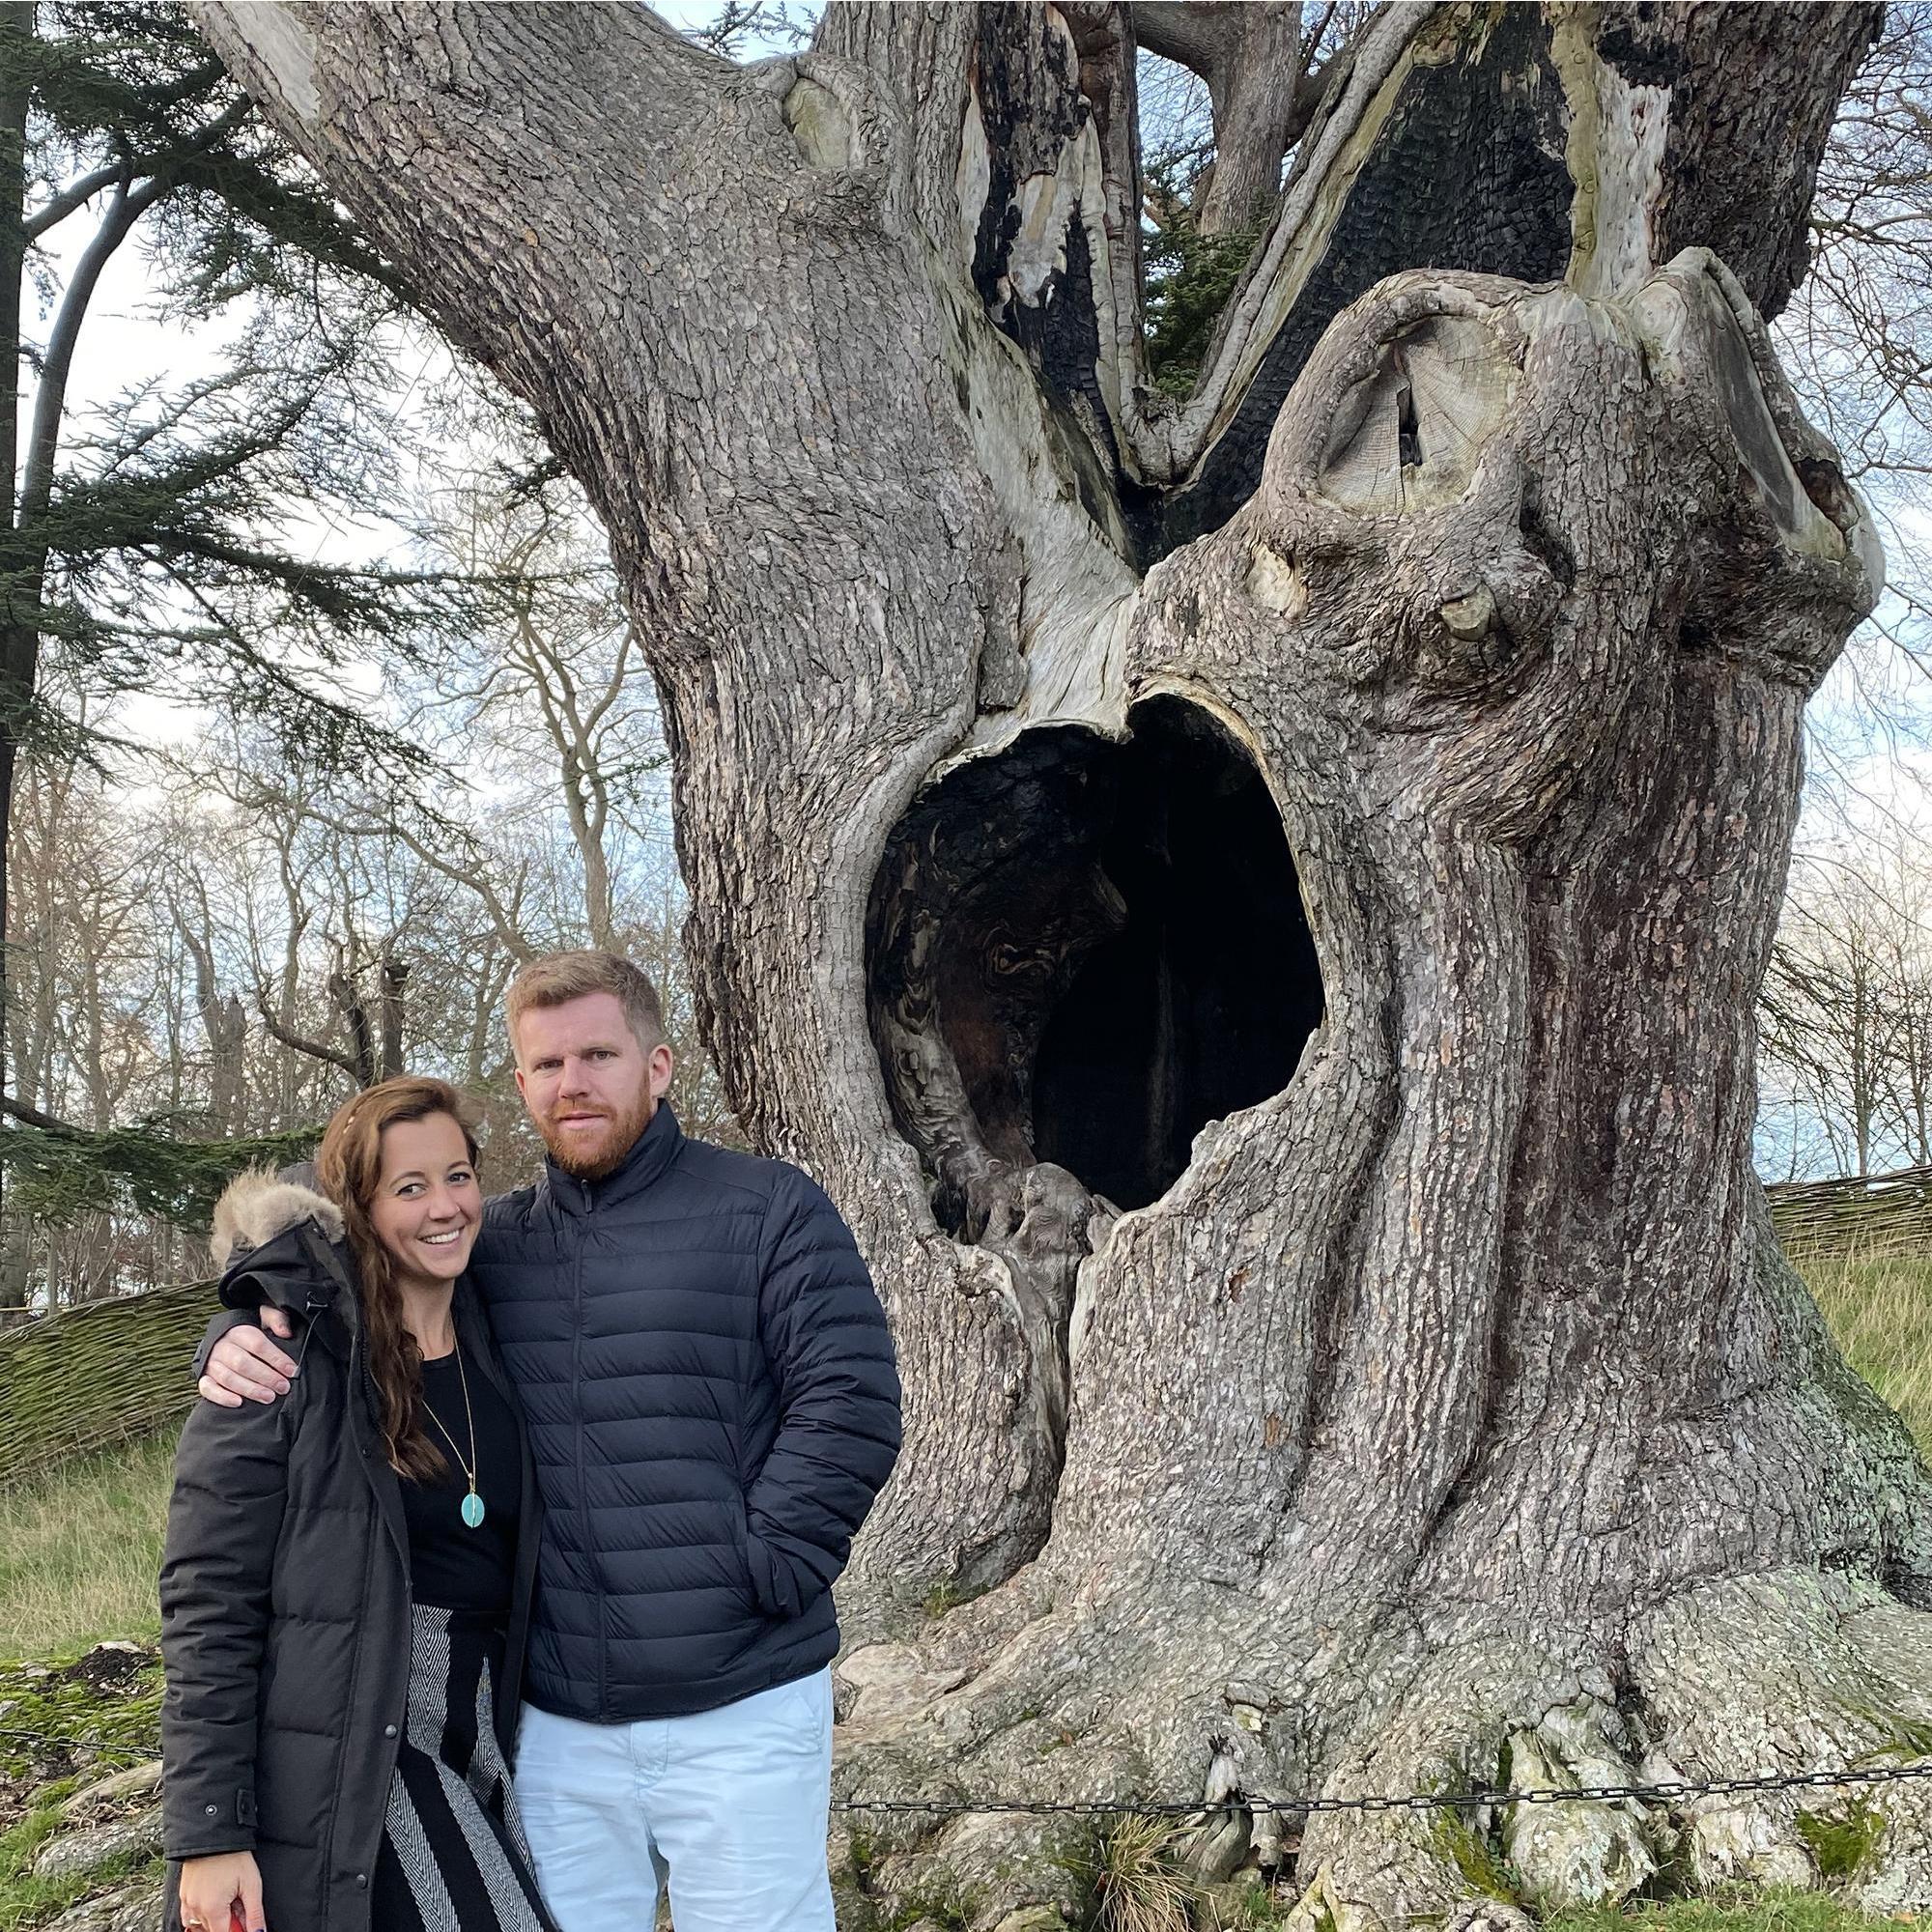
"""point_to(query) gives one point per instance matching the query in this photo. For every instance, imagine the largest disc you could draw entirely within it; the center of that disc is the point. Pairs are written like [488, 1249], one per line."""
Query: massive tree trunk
[1252, 907]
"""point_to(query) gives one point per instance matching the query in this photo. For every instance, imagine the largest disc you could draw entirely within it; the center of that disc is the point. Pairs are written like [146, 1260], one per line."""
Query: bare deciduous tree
[1847, 1005]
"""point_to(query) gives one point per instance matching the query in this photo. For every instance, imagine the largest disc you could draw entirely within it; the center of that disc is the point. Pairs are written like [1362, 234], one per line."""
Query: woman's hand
[218, 1892]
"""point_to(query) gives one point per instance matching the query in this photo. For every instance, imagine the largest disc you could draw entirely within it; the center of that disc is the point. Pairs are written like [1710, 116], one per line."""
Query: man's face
[589, 1087]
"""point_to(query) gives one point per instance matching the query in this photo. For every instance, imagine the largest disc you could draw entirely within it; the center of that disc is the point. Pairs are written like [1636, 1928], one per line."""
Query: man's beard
[606, 1155]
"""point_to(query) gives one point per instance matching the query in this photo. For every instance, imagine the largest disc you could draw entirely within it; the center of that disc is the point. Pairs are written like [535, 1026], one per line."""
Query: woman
[348, 1570]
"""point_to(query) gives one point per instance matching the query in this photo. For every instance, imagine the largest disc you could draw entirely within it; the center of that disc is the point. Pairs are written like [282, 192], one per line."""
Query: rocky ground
[80, 1818]
[80, 1834]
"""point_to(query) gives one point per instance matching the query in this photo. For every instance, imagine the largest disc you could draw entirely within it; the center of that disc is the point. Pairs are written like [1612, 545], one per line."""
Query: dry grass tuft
[1880, 1313]
[80, 1552]
[1137, 1886]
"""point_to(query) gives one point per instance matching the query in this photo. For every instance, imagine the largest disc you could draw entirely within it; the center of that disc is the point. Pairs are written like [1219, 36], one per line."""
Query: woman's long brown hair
[349, 1166]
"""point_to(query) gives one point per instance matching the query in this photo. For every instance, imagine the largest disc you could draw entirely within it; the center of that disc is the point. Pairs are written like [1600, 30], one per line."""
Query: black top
[451, 1565]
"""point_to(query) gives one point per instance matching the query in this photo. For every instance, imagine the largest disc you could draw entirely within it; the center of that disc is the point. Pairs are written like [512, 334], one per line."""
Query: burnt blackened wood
[1465, 173]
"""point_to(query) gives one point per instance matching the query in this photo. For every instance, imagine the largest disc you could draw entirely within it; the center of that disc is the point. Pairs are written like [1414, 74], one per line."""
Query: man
[711, 1395]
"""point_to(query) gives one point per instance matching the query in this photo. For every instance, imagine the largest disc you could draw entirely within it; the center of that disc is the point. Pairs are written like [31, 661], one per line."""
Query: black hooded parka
[285, 1606]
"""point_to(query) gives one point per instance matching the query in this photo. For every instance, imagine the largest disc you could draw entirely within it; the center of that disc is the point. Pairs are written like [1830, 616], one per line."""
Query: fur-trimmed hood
[277, 1238]
[258, 1206]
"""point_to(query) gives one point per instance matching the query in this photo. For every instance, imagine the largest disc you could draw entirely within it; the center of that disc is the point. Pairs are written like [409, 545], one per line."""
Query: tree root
[978, 1868]
[1797, 1672]
[1787, 1672]
[1582, 1853]
[1471, 1718]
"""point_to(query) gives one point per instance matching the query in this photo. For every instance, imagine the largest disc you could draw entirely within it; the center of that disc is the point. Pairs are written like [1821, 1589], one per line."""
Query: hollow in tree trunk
[1252, 906]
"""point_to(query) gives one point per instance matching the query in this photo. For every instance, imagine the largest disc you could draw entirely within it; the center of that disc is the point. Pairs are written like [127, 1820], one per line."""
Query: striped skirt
[454, 1856]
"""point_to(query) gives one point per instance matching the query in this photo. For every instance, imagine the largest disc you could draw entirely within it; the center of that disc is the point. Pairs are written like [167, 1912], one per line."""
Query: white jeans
[730, 1805]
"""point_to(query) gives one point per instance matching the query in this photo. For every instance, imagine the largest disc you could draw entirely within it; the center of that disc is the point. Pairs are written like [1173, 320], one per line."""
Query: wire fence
[1665, 1791]
[51, 1743]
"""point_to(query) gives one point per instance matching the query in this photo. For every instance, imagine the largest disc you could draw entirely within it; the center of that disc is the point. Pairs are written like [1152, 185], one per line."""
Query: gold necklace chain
[473, 1503]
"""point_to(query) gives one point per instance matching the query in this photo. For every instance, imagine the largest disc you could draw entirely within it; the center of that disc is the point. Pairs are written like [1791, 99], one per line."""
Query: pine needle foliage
[1190, 278]
[169, 541]
[143, 1169]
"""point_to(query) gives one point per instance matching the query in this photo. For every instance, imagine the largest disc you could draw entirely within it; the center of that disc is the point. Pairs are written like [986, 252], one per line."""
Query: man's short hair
[559, 978]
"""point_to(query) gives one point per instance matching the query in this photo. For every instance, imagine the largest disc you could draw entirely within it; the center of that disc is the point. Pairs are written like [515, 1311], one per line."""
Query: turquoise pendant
[473, 1510]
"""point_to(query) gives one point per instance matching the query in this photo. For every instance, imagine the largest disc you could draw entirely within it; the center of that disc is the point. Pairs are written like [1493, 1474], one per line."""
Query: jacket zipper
[582, 1491]
[379, 1532]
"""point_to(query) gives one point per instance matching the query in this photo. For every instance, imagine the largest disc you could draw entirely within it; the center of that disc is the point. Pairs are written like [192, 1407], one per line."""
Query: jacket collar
[301, 1271]
[651, 1153]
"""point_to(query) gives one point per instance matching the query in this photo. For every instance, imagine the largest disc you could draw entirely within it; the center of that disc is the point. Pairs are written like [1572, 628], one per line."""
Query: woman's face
[427, 1201]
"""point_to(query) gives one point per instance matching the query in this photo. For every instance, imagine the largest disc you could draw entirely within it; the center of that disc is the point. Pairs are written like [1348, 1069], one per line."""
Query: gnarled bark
[1448, 1395]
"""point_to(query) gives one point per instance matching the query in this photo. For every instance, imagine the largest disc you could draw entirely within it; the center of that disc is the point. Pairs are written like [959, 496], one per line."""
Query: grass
[1135, 1884]
[111, 1698]
[107, 1699]
[28, 1901]
[1881, 1312]
[1760, 1911]
[80, 1552]
[65, 1701]
[1843, 1846]
[1757, 1912]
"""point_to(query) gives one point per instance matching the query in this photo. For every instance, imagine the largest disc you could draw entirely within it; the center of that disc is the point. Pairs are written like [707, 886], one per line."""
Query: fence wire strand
[1412, 1801]
[1664, 1790]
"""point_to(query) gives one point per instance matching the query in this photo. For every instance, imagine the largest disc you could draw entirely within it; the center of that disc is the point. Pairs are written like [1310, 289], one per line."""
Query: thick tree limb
[32, 1117]
[1251, 56]
[1198, 37]
[507, 223]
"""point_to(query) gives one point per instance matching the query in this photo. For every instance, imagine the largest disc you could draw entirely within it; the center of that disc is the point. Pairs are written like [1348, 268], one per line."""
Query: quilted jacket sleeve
[224, 1522]
[831, 1356]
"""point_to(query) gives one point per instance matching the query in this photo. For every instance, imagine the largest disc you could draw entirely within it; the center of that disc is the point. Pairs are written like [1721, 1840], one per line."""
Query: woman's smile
[427, 1204]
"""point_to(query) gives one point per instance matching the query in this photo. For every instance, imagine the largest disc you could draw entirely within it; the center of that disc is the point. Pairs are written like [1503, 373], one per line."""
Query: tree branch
[1198, 37]
[129, 203]
[32, 1117]
[416, 79]
[1251, 57]
[52, 214]
[472, 878]
[1255, 103]
[300, 1043]
[57, 363]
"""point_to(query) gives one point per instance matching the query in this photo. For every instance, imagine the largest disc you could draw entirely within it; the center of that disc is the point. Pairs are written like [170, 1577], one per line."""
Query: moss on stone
[1842, 1843]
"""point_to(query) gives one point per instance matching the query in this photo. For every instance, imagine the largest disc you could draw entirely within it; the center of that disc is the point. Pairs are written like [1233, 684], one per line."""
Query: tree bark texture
[1253, 908]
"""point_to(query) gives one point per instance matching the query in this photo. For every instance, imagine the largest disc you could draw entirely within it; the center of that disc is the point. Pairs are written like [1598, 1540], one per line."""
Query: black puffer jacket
[285, 1604]
[711, 1397]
